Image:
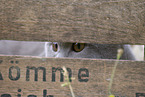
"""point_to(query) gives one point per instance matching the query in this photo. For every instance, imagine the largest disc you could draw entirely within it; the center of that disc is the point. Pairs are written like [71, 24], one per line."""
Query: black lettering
[61, 74]
[83, 77]
[16, 62]
[1, 61]
[54, 71]
[50, 96]
[45, 94]
[36, 73]
[10, 73]
[1, 77]
[32, 96]
[19, 95]
[70, 74]
[5, 95]
[140, 94]
[12, 62]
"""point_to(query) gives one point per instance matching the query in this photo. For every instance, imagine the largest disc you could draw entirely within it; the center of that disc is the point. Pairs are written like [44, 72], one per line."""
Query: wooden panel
[92, 77]
[96, 21]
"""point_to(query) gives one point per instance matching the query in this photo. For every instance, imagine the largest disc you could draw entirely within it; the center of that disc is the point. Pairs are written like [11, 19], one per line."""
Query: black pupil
[79, 46]
[56, 46]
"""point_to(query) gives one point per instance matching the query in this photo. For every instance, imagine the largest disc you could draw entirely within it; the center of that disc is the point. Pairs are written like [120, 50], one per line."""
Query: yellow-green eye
[77, 47]
[55, 47]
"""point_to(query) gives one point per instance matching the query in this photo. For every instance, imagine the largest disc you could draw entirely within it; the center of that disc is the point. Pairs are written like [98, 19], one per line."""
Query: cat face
[59, 49]
[81, 50]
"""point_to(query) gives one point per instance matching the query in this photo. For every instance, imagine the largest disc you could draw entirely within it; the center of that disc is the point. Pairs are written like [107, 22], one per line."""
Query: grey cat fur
[99, 51]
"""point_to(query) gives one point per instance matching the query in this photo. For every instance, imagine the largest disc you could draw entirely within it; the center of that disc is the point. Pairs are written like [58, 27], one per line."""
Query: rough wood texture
[16, 78]
[96, 21]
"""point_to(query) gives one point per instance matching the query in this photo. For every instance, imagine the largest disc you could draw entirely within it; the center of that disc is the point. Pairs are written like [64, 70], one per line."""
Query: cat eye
[55, 47]
[77, 47]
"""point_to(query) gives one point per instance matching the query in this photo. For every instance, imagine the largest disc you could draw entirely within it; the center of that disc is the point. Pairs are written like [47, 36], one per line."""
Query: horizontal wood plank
[95, 21]
[92, 77]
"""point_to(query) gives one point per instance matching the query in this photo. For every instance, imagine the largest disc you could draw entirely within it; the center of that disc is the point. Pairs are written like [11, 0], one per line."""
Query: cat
[59, 49]
[86, 50]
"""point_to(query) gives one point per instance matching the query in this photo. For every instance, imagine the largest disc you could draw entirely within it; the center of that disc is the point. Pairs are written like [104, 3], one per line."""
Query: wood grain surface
[92, 77]
[88, 21]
